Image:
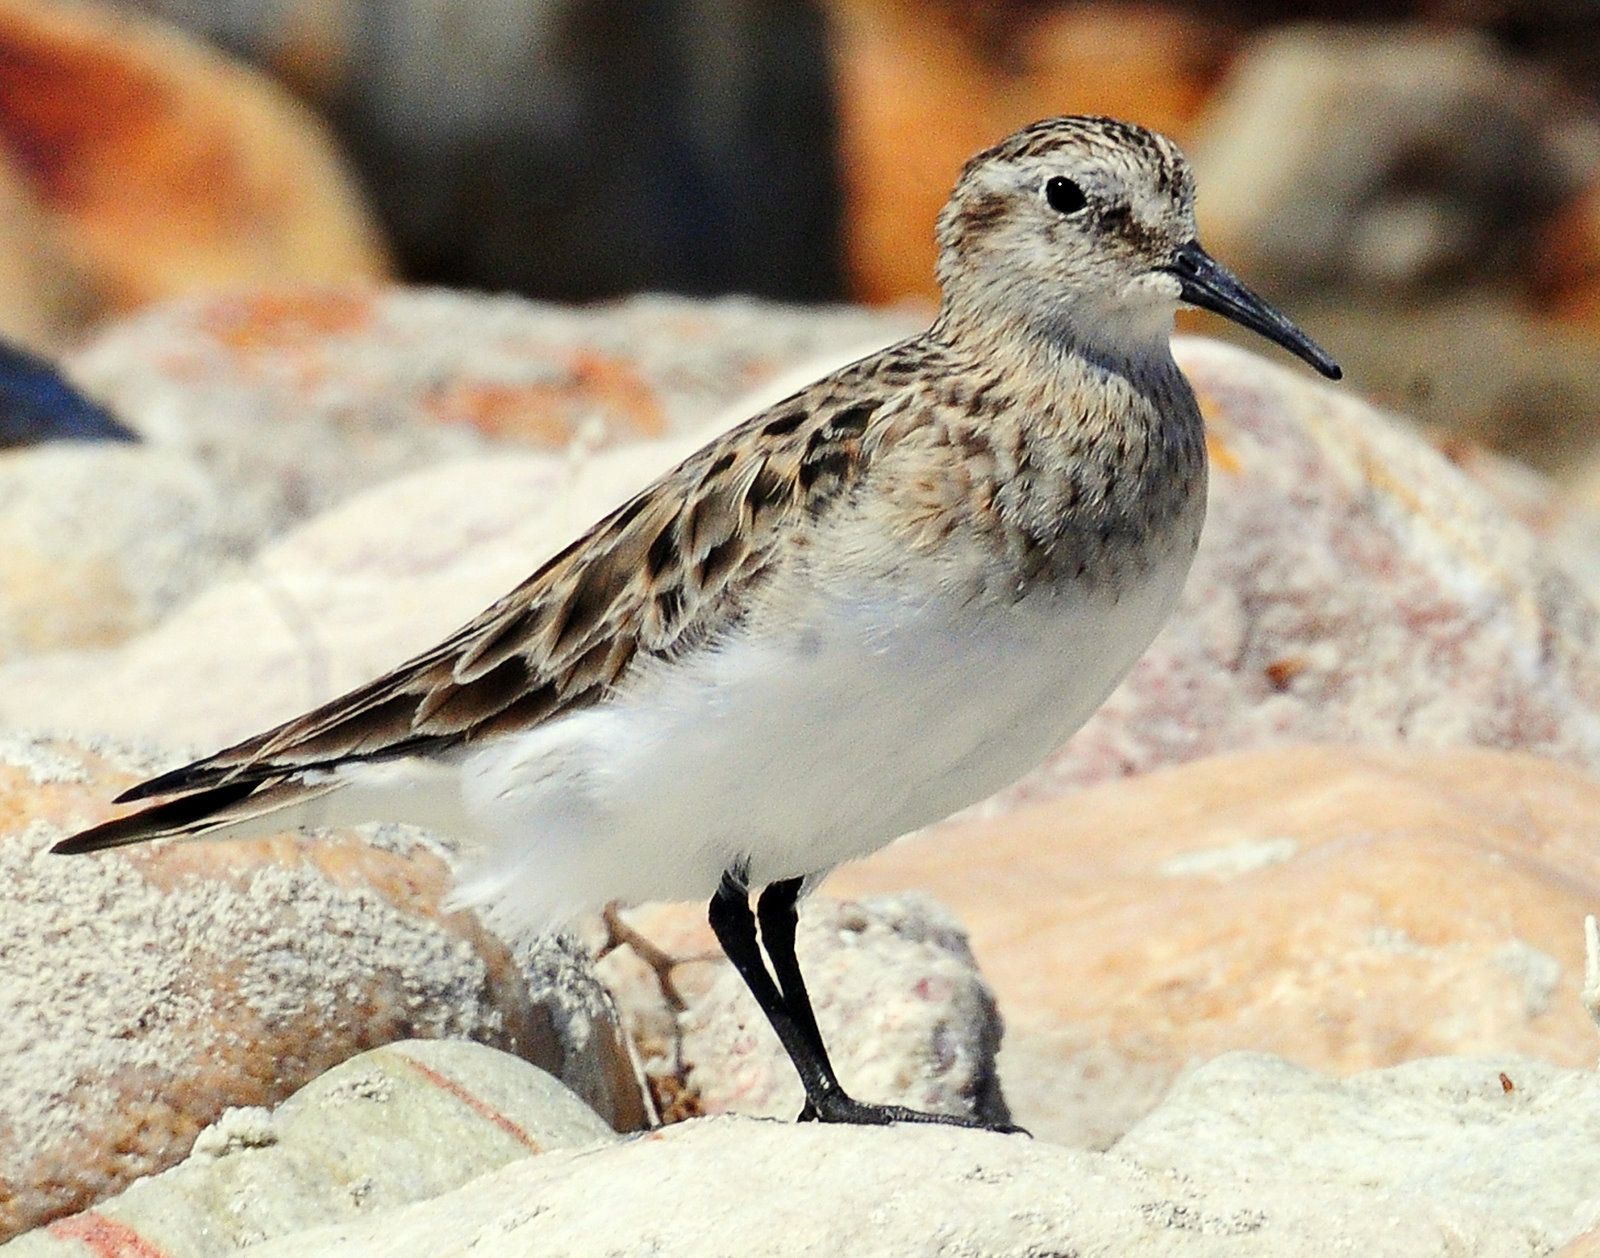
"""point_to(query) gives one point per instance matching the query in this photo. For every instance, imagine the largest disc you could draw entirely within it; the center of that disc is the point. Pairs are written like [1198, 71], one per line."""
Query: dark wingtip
[1333, 371]
[155, 822]
[83, 841]
[169, 783]
[117, 833]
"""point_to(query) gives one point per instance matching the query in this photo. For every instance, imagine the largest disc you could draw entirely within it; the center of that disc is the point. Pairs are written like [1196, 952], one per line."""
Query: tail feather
[213, 808]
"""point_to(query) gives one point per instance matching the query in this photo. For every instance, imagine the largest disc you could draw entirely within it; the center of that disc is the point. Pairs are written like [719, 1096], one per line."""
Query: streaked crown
[1070, 225]
[1080, 233]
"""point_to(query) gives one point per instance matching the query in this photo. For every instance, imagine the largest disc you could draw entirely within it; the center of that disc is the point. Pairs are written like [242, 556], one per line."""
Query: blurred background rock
[1417, 182]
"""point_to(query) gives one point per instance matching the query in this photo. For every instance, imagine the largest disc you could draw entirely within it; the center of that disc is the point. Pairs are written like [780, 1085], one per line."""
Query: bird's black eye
[1064, 196]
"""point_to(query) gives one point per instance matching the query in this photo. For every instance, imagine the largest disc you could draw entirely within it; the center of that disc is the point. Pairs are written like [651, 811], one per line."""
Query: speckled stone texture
[906, 1015]
[1250, 1158]
[143, 992]
[398, 1124]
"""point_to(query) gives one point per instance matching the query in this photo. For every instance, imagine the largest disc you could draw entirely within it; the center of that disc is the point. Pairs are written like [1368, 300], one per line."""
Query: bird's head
[1082, 230]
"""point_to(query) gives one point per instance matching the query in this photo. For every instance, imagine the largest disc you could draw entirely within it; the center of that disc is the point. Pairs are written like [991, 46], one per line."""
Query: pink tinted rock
[1348, 908]
[295, 398]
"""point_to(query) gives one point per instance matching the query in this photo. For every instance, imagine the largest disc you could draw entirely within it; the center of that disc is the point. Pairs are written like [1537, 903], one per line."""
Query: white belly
[790, 758]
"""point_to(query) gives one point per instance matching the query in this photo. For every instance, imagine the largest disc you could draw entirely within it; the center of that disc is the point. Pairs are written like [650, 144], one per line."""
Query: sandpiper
[866, 607]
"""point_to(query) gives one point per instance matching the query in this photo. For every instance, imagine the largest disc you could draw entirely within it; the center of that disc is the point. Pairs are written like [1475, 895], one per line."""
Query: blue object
[37, 404]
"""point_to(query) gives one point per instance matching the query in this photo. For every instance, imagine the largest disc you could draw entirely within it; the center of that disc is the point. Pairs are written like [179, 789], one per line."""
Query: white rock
[1254, 1158]
[298, 400]
[398, 1124]
[144, 991]
[99, 540]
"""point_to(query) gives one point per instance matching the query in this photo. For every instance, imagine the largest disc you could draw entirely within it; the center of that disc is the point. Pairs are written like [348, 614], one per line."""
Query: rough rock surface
[1346, 908]
[907, 1017]
[143, 992]
[1252, 1156]
[395, 1125]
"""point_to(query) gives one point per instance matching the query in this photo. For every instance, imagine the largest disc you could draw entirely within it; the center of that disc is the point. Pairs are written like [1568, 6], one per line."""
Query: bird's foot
[836, 1107]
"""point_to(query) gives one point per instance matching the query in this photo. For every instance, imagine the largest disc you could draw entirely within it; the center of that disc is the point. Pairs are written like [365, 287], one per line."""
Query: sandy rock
[1345, 908]
[143, 993]
[295, 399]
[1253, 1157]
[1453, 1147]
[99, 541]
[162, 168]
[398, 1124]
[1585, 1246]
[907, 1017]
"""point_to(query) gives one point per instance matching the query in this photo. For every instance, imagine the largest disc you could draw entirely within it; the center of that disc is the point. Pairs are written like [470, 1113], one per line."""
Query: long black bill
[1211, 286]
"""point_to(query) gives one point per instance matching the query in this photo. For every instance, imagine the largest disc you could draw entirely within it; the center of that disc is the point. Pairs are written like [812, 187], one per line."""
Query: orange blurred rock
[1568, 267]
[1345, 908]
[919, 93]
[162, 168]
[142, 993]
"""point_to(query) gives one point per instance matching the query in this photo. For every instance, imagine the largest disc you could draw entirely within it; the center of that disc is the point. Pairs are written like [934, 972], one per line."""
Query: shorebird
[864, 608]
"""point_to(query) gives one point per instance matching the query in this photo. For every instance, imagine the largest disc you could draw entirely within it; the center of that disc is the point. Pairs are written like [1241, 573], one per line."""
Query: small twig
[661, 963]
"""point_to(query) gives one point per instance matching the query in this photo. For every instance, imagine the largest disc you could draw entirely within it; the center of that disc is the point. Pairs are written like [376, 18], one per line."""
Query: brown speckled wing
[669, 569]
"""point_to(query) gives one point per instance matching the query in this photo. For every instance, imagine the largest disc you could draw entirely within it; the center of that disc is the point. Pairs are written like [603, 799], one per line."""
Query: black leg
[789, 1008]
[776, 912]
[735, 928]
